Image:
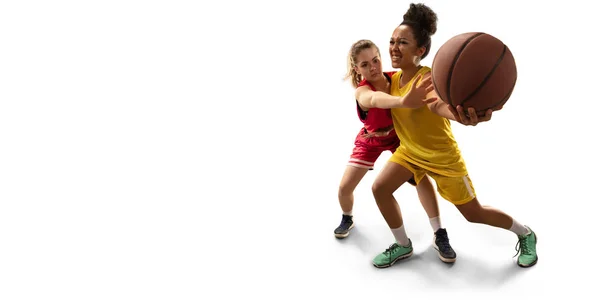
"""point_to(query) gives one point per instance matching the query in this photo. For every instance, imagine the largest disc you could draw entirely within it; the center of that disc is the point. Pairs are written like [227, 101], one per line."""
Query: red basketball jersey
[375, 118]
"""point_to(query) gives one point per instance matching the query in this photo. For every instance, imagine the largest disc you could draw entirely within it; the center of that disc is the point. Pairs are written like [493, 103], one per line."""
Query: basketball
[474, 69]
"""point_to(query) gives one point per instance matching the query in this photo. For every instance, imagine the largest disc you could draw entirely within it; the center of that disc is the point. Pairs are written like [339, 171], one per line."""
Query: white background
[171, 150]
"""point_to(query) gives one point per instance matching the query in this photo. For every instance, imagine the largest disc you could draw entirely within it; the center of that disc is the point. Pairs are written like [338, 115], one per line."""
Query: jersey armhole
[362, 114]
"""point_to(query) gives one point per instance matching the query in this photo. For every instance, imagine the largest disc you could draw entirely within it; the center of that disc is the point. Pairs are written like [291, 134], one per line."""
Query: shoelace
[442, 240]
[391, 249]
[347, 219]
[522, 246]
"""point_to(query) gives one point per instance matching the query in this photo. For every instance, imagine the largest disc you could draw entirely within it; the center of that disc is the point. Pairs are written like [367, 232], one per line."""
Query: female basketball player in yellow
[428, 146]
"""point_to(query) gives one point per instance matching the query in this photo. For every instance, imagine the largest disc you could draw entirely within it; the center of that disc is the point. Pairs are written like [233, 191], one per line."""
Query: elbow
[366, 102]
[372, 102]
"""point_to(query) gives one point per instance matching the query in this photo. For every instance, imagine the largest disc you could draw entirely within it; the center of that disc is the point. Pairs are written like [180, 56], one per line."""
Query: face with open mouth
[403, 48]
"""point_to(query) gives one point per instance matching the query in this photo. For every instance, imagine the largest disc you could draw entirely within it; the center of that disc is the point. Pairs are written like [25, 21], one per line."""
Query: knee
[473, 215]
[472, 212]
[380, 191]
[345, 190]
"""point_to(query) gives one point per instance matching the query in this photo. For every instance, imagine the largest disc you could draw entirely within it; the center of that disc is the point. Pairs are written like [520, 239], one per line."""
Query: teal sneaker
[393, 254]
[526, 246]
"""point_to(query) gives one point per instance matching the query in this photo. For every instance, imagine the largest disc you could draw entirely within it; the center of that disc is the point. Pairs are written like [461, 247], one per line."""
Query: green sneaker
[527, 248]
[393, 254]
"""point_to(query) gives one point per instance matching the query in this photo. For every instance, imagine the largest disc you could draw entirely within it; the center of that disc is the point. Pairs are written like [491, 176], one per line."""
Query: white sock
[400, 235]
[436, 223]
[348, 213]
[519, 229]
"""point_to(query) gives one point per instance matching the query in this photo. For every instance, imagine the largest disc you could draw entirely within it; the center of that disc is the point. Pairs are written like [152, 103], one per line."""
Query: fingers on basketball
[488, 114]
[454, 112]
[461, 114]
[472, 115]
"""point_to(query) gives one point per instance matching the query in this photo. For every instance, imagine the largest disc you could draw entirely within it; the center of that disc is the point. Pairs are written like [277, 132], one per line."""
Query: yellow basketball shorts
[457, 190]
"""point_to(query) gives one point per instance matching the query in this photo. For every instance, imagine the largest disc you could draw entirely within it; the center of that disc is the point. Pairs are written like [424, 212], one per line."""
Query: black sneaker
[441, 243]
[345, 226]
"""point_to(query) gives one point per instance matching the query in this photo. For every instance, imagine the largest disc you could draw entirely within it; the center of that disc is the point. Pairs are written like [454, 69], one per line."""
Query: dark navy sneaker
[441, 243]
[345, 226]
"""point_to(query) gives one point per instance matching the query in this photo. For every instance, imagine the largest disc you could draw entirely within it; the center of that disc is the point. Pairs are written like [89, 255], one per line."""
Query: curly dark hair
[423, 22]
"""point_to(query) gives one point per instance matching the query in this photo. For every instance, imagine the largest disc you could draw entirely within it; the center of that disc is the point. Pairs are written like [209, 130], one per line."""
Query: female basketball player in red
[428, 147]
[378, 135]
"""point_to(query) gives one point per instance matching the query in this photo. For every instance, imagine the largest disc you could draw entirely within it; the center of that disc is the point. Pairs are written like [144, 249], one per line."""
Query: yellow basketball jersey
[426, 139]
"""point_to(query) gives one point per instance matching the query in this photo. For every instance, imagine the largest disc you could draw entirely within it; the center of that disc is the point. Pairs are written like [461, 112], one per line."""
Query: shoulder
[362, 89]
[425, 70]
[364, 82]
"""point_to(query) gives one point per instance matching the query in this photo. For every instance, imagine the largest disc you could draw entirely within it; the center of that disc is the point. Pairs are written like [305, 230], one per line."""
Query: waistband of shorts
[380, 133]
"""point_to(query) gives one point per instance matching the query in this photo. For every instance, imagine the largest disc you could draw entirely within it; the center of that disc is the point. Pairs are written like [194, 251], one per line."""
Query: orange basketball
[474, 69]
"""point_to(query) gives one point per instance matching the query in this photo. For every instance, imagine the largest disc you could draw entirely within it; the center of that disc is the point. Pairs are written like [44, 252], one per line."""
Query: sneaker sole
[405, 256]
[444, 259]
[344, 235]
[529, 265]
[536, 256]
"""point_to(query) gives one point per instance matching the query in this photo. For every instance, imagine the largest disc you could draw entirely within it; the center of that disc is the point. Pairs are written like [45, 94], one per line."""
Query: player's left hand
[469, 118]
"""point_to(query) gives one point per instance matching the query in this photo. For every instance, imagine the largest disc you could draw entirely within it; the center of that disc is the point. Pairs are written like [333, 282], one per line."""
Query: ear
[420, 51]
[357, 70]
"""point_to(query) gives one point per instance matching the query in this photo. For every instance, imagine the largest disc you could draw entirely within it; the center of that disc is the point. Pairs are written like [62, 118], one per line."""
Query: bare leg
[441, 242]
[428, 197]
[352, 176]
[350, 180]
[387, 182]
[474, 212]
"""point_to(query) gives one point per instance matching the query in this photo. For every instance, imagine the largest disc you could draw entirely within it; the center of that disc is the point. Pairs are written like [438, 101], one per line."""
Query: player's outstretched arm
[457, 114]
[368, 98]
[440, 107]
[415, 98]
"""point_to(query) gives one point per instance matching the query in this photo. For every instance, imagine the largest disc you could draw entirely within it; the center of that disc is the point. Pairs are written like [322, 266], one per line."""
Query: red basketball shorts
[368, 149]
